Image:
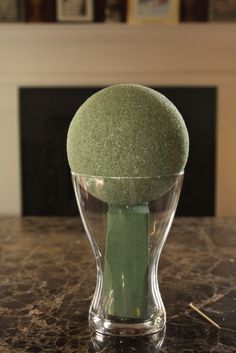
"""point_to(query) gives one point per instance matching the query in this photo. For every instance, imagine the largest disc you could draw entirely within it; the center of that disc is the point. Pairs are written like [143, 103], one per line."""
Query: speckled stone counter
[47, 278]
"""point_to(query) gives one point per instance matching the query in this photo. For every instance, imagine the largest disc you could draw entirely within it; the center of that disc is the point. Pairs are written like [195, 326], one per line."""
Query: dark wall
[45, 114]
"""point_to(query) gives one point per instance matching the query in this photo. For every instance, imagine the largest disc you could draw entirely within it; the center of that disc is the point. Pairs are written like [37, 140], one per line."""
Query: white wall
[75, 55]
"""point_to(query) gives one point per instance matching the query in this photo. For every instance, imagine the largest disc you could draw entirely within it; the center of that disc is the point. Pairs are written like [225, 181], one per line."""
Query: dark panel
[198, 108]
[45, 114]
[194, 10]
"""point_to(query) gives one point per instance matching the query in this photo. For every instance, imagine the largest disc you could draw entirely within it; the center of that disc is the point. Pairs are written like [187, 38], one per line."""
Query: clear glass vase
[127, 231]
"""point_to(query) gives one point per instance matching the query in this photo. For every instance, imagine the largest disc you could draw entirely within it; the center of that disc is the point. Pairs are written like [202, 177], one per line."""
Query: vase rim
[81, 175]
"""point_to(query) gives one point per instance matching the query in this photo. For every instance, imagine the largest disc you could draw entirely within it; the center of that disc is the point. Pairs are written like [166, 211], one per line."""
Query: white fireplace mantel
[102, 54]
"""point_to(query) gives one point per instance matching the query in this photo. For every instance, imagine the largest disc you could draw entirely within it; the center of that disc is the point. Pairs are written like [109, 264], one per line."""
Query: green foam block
[126, 262]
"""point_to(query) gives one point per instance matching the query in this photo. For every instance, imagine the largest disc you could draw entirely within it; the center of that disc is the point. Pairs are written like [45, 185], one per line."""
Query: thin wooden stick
[154, 228]
[204, 315]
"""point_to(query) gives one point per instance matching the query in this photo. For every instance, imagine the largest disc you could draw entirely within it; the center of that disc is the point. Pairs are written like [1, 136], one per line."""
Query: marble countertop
[47, 279]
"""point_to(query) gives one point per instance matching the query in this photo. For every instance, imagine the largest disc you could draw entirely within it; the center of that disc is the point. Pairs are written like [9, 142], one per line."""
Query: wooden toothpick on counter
[204, 315]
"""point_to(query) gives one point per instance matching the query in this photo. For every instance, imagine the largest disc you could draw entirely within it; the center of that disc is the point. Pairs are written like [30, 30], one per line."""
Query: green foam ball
[128, 131]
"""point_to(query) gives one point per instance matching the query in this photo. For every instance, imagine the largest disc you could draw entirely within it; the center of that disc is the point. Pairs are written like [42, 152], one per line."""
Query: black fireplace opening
[45, 115]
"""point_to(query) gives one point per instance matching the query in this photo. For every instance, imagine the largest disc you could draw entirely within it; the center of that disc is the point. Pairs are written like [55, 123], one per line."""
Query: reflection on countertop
[47, 279]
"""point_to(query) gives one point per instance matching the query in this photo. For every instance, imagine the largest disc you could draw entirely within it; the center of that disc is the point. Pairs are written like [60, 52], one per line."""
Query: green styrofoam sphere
[127, 131]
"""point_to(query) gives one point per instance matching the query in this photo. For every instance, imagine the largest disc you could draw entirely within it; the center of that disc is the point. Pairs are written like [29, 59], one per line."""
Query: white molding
[117, 48]
[102, 54]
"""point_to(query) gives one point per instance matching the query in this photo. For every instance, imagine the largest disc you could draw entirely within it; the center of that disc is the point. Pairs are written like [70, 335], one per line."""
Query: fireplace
[45, 114]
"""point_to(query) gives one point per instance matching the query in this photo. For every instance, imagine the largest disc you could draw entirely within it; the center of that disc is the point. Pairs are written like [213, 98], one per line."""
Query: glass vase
[127, 221]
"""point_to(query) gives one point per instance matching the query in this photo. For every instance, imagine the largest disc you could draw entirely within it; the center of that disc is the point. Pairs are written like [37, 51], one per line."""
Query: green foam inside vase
[125, 288]
[125, 136]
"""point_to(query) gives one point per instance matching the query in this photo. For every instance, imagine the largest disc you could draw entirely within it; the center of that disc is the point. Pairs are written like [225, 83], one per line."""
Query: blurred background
[55, 54]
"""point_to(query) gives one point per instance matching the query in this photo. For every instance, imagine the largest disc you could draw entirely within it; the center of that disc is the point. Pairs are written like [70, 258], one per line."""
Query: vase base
[119, 328]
